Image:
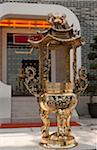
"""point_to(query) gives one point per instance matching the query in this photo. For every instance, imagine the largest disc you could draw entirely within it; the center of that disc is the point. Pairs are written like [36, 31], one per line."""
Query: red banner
[23, 39]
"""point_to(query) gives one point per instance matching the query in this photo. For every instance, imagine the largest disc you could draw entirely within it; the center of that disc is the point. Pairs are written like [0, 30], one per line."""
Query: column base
[58, 141]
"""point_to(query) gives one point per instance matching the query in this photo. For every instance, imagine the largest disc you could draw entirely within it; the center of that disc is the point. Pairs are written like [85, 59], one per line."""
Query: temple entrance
[16, 64]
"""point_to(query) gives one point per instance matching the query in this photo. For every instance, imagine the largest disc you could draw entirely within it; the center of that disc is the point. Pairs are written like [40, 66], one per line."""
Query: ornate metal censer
[57, 97]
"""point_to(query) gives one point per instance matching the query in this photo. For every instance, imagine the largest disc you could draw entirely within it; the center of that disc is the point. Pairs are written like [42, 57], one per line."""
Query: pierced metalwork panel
[60, 101]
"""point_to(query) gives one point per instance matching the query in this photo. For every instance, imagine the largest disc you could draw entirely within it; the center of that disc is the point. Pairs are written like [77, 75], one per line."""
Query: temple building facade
[16, 27]
[86, 12]
[19, 21]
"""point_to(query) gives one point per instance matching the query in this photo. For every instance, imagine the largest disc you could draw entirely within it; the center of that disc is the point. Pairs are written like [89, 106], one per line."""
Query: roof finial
[57, 21]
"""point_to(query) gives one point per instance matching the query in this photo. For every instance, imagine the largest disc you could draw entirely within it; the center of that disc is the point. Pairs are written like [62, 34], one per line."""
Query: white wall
[5, 103]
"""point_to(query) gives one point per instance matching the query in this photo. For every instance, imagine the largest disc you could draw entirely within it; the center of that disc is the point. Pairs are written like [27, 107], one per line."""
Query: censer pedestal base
[58, 142]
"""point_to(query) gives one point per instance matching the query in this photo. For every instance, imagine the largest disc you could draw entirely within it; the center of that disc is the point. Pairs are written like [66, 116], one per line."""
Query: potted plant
[92, 77]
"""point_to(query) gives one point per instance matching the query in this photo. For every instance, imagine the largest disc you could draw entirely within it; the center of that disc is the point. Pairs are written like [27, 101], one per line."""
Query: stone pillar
[0, 53]
[5, 103]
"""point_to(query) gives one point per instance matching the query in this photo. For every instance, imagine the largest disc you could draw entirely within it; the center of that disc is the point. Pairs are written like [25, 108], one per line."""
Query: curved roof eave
[37, 10]
[49, 37]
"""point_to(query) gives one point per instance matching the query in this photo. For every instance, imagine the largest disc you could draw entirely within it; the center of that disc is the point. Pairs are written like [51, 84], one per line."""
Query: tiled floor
[28, 138]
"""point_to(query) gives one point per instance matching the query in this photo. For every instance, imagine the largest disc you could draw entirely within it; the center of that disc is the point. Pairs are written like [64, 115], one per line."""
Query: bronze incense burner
[57, 97]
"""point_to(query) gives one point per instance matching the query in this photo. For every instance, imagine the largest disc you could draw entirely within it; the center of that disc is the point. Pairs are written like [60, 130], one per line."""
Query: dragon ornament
[82, 82]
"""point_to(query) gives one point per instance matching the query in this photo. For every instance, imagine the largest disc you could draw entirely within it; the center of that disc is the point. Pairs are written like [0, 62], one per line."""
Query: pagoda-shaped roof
[49, 38]
[59, 33]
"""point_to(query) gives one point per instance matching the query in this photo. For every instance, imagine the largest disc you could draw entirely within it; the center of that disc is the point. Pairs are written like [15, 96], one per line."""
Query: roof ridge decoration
[58, 22]
[59, 31]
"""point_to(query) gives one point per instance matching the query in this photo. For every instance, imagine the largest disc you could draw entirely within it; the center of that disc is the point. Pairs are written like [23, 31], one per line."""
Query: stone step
[26, 109]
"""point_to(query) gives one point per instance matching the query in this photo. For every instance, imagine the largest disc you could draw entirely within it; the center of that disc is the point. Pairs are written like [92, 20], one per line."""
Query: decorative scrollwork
[69, 87]
[58, 101]
[46, 63]
[32, 83]
[30, 73]
[81, 83]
